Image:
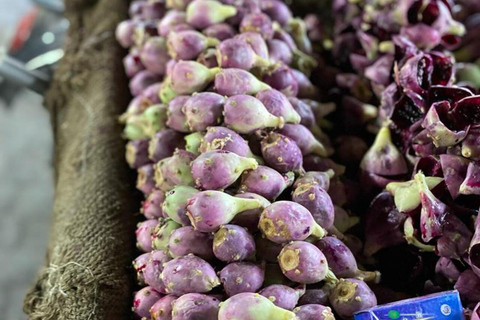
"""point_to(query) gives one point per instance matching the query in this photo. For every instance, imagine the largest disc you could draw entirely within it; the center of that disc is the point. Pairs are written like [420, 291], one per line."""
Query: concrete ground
[26, 184]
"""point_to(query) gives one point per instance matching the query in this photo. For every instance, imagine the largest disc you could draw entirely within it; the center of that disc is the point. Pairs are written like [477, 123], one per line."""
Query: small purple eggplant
[193, 142]
[124, 33]
[276, 10]
[279, 51]
[267, 250]
[236, 53]
[193, 306]
[233, 81]
[314, 162]
[455, 239]
[137, 153]
[176, 118]
[314, 312]
[257, 43]
[174, 170]
[282, 153]
[142, 80]
[446, 269]
[315, 177]
[252, 306]
[162, 309]
[146, 179]
[164, 143]
[221, 138]
[218, 169]
[153, 268]
[266, 182]
[246, 114]
[317, 201]
[285, 221]
[468, 286]
[190, 76]
[154, 55]
[189, 274]
[139, 265]
[175, 204]
[204, 13]
[186, 240]
[203, 110]
[233, 243]
[257, 22]
[249, 218]
[170, 20]
[152, 206]
[188, 44]
[471, 184]
[277, 104]
[132, 64]
[238, 277]
[281, 77]
[282, 296]
[220, 31]
[162, 233]
[208, 210]
[304, 263]
[144, 299]
[350, 296]
[342, 261]
[304, 139]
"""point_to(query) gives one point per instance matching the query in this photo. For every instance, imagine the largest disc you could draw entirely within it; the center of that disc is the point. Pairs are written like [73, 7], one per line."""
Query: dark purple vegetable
[221, 138]
[306, 90]
[252, 306]
[258, 44]
[257, 22]
[232, 81]
[132, 64]
[471, 144]
[277, 104]
[175, 170]
[455, 239]
[188, 44]
[233, 243]
[307, 116]
[152, 206]
[144, 299]
[203, 110]
[246, 114]
[249, 218]
[304, 139]
[279, 51]
[142, 80]
[266, 182]
[220, 31]
[137, 153]
[285, 221]
[186, 240]
[153, 10]
[303, 262]
[281, 77]
[162, 309]
[454, 171]
[146, 179]
[315, 177]
[208, 210]
[314, 312]
[204, 13]
[317, 201]
[317, 296]
[282, 153]
[154, 55]
[468, 286]
[267, 250]
[237, 53]
[447, 269]
[350, 296]
[238, 277]
[475, 246]
[192, 306]
[152, 93]
[276, 10]
[189, 274]
[471, 184]
[153, 268]
[314, 162]
[282, 296]
[139, 265]
[175, 204]
[164, 143]
[176, 117]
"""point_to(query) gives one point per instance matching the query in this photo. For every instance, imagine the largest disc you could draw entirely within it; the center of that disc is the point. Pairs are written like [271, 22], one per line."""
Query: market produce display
[301, 168]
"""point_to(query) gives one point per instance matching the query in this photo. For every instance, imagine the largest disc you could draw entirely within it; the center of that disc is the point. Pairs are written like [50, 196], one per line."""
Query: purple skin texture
[236, 53]
[189, 274]
[152, 206]
[258, 22]
[249, 218]
[188, 44]
[204, 13]
[144, 234]
[153, 268]
[282, 153]
[471, 184]
[190, 76]
[170, 20]
[208, 210]
[153, 10]
[233, 243]
[306, 90]
[304, 139]
[285, 221]
[175, 204]
[162, 309]
[468, 286]
[137, 153]
[139, 265]
[186, 240]
[203, 110]
[162, 233]
[350, 296]
[176, 118]
[246, 114]
[192, 306]
[124, 33]
[238, 277]
[475, 247]
[142, 80]
[314, 312]
[256, 42]
[218, 169]
[221, 138]
[267, 250]
[154, 55]
[278, 105]
[220, 31]
[317, 296]
[342, 261]
[279, 51]
[252, 306]
[132, 64]
[152, 93]
[276, 10]
[174, 171]
[266, 182]
[446, 268]
[281, 77]
[315, 177]
[317, 201]
[143, 300]
[233, 81]
[282, 296]
[304, 263]
[164, 143]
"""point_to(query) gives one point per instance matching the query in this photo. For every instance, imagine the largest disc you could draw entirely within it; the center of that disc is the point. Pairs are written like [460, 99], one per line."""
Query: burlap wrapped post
[87, 274]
